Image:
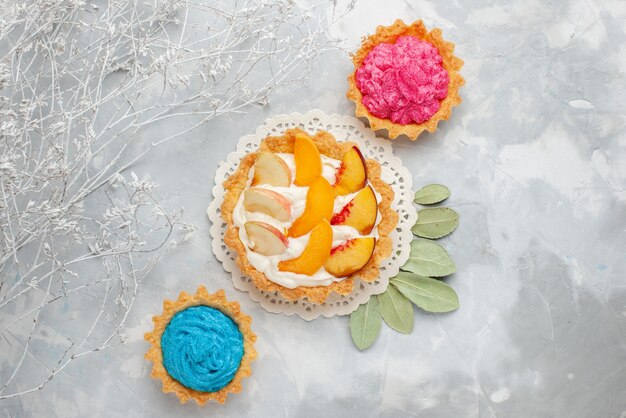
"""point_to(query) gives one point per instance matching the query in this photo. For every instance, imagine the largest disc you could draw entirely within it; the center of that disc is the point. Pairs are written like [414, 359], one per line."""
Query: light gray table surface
[535, 157]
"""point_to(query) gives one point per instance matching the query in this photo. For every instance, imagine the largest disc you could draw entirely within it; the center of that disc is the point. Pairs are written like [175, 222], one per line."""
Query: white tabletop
[535, 157]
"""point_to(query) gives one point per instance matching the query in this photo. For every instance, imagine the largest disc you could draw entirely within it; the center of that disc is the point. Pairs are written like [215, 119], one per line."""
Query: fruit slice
[320, 200]
[350, 257]
[359, 213]
[270, 169]
[307, 159]
[268, 202]
[266, 239]
[315, 253]
[352, 173]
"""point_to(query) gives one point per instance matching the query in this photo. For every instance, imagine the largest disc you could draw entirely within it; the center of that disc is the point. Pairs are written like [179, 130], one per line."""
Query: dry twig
[81, 83]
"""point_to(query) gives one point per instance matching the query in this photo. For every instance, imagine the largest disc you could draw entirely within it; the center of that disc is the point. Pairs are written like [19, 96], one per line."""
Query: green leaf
[365, 324]
[433, 193]
[429, 294]
[429, 259]
[397, 310]
[435, 222]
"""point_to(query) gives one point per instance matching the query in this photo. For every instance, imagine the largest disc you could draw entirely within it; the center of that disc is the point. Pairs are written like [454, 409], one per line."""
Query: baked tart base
[451, 63]
[330, 147]
[218, 301]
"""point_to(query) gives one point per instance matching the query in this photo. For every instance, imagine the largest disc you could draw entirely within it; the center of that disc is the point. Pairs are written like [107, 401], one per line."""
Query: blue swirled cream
[202, 348]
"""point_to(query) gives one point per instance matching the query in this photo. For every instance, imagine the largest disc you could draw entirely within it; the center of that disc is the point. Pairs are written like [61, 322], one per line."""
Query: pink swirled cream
[404, 82]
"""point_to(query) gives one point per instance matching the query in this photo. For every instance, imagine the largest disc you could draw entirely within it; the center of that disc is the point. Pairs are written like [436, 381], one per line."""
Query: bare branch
[81, 83]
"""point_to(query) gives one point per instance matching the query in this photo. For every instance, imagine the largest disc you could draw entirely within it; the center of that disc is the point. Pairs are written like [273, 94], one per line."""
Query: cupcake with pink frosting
[406, 79]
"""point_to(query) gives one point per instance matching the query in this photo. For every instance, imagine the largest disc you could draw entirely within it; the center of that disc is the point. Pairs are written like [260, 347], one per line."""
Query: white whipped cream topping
[297, 197]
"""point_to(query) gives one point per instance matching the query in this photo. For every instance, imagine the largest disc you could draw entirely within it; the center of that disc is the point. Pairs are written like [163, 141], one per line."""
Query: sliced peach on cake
[350, 257]
[352, 173]
[319, 205]
[266, 239]
[315, 253]
[270, 169]
[359, 213]
[307, 160]
[268, 202]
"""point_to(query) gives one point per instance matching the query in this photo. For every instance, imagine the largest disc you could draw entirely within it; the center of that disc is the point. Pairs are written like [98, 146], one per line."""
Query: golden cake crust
[328, 146]
[451, 63]
[218, 301]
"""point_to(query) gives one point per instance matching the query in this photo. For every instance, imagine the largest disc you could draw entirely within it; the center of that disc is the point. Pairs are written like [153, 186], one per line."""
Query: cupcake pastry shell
[451, 63]
[330, 147]
[218, 301]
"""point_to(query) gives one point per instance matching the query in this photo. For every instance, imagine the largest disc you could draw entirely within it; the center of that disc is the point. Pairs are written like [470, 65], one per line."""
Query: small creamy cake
[201, 346]
[405, 80]
[306, 215]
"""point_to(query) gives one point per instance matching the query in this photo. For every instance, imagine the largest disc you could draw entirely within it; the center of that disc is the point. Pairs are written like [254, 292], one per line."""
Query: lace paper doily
[344, 128]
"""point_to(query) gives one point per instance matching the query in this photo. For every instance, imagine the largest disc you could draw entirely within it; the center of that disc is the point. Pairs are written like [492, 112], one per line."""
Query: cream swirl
[297, 197]
[404, 81]
[202, 348]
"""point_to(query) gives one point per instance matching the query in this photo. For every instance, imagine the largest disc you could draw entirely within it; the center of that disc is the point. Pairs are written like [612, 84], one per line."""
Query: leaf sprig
[418, 282]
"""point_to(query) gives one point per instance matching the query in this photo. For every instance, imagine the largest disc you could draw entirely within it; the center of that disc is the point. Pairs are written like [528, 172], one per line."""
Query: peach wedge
[270, 169]
[350, 257]
[359, 213]
[315, 253]
[307, 159]
[319, 205]
[352, 173]
[267, 202]
[266, 239]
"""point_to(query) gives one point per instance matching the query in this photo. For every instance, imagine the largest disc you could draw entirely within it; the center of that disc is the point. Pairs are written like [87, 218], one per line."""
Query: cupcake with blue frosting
[201, 346]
